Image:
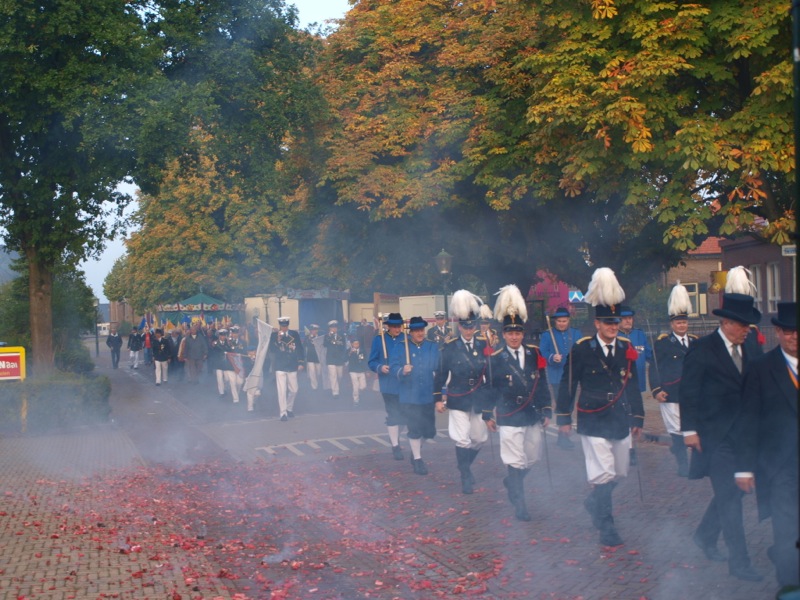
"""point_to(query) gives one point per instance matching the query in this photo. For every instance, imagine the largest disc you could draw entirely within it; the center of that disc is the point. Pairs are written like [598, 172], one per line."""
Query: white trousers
[359, 381]
[134, 358]
[467, 429]
[161, 370]
[287, 390]
[232, 379]
[606, 460]
[671, 414]
[520, 447]
[335, 373]
[313, 374]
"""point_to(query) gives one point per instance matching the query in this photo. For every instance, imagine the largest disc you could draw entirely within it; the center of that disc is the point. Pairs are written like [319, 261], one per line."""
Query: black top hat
[393, 319]
[513, 323]
[561, 312]
[610, 314]
[787, 316]
[739, 307]
[417, 323]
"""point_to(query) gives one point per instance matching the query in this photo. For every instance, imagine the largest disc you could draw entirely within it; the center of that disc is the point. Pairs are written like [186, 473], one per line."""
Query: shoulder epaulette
[623, 339]
[662, 336]
[451, 341]
[532, 346]
[583, 339]
[498, 351]
[693, 336]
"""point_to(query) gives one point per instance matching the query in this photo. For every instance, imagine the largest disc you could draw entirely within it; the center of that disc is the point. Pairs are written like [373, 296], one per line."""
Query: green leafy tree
[71, 76]
[116, 284]
[73, 314]
[217, 214]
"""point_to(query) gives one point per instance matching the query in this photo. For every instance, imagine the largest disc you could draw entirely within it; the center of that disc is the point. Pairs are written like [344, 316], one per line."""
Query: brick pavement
[90, 514]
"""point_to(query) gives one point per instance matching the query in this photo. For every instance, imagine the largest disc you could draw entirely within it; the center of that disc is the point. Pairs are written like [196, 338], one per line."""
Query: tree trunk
[40, 294]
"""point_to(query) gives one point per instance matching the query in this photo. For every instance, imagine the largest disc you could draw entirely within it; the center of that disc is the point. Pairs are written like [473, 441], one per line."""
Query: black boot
[590, 504]
[605, 509]
[516, 477]
[509, 481]
[462, 457]
[472, 455]
[679, 451]
[418, 465]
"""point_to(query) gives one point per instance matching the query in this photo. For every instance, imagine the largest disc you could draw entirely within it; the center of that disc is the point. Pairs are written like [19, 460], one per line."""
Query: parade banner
[12, 363]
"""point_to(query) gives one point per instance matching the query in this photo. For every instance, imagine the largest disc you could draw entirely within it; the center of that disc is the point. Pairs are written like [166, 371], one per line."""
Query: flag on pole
[255, 380]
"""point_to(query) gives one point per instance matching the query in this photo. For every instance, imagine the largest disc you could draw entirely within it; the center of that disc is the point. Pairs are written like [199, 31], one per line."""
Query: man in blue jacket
[382, 346]
[555, 346]
[414, 364]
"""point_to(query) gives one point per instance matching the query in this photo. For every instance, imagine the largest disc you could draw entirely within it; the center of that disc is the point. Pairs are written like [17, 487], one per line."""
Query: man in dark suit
[766, 435]
[710, 402]
[610, 411]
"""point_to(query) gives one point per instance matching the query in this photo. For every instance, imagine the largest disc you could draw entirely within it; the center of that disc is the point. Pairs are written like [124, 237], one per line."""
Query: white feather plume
[738, 282]
[604, 289]
[679, 302]
[465, 305]
[486, 312]
[510, 302]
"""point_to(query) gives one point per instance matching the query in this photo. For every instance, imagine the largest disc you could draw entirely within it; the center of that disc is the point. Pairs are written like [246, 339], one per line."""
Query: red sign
[11, 366]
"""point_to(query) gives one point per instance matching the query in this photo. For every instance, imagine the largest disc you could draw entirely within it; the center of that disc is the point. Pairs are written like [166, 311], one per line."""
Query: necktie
[469, 346]
[516, 355]
[737, 357]
[610, 351]
[683, 341]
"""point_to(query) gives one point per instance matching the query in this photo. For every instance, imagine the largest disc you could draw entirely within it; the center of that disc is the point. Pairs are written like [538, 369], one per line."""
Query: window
[756, 279]
[691, 288]
[773, 286]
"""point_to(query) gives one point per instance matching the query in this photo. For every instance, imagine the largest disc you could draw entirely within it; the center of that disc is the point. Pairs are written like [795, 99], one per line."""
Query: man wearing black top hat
[383, 345]
[710, 402]
[414, 365]
[766, 442]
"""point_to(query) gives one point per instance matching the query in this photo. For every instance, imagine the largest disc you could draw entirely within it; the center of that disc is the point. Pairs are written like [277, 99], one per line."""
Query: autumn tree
[71, 80]
[217, 214]
[539, 135]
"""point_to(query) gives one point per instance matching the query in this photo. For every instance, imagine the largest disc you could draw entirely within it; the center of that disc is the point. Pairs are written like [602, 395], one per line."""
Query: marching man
[610, 408]
[521, 400]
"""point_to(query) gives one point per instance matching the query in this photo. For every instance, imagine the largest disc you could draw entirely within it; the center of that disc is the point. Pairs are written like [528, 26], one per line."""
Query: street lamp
[280, 294]
[96, 304]
[444, 262]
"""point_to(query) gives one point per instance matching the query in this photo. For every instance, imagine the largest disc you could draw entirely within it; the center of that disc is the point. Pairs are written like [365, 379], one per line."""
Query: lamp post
[280, 292]
[96, 304]
[444, 262]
